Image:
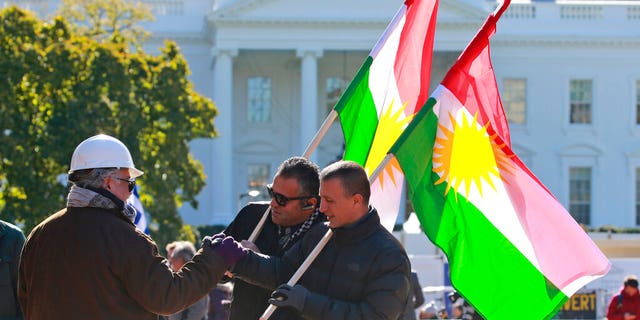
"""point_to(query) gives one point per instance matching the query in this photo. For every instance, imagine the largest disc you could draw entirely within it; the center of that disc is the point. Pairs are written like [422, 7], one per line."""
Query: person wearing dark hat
[88, 260]
[626, 304]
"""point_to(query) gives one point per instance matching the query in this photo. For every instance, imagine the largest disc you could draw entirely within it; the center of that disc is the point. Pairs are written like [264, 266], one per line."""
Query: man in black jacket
[362, 272]
[294, 204]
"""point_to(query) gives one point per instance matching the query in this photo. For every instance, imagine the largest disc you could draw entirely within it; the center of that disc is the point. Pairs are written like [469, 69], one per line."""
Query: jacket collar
[360, 230]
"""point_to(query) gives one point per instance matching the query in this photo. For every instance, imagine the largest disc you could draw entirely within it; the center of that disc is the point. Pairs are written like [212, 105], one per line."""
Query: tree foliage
[101, 19]
[58, 88]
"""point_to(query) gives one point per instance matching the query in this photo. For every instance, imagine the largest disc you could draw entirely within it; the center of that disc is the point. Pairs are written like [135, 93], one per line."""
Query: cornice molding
[232, 15]
[571, 42]
[370, 23]
[188, 37]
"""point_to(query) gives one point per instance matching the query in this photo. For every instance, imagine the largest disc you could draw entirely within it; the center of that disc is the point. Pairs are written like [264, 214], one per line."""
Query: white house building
[568, 72]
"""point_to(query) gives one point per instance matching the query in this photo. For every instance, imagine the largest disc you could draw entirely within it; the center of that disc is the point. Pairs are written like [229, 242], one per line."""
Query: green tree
[58, 88]
[101, 19]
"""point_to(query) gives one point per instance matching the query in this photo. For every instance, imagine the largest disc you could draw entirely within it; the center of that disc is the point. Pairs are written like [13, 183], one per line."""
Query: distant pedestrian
[220, 302]
[461, 309]
[626, 304]
[183, 252]
[416, 297]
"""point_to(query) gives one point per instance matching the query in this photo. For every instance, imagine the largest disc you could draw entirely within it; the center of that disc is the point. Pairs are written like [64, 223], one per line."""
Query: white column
[308, 96]
[220, 181]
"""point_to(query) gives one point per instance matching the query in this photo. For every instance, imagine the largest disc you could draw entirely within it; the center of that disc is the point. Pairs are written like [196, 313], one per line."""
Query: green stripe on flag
[481, 258]
[358, 116]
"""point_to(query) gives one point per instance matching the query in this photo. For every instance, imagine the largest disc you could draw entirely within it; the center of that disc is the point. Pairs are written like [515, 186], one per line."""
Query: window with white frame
[581, 92]
[259, 99]
[166, 7]
[580, 194]
[334, 88]
[514, 99]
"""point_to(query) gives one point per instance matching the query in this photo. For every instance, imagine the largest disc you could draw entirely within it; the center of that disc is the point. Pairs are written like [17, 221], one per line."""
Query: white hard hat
[103, 151]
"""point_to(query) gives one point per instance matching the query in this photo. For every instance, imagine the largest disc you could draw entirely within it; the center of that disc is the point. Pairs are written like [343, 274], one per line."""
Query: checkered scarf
[306, 225]
[81, 197]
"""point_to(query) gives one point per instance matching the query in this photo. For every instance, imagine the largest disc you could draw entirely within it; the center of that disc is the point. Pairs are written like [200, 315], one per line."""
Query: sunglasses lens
[132, 184]
[280, 199]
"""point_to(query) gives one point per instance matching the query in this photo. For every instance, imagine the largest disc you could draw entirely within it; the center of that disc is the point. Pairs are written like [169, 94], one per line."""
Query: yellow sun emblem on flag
[467, 155]
[390, 127]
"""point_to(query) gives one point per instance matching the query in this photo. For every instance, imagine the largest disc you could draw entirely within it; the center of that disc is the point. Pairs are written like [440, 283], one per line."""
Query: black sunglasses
[130, 183]
[281, 199]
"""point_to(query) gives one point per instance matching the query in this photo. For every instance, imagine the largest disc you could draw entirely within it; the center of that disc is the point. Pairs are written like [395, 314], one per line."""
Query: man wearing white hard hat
[88, 260]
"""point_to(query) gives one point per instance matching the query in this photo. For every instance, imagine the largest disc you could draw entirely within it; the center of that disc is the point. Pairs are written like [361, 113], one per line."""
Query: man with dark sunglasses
[294, 210]
[361, 273]
[88, 260]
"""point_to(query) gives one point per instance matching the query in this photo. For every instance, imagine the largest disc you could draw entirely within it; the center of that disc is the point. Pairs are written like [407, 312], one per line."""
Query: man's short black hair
[305, 171]
[352, 176]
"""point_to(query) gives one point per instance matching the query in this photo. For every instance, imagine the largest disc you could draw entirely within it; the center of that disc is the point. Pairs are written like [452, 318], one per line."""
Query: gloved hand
[288, 296]
[228, 249]
[208, 240]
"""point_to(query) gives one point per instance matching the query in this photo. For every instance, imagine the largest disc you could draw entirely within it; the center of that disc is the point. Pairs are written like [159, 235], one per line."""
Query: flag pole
[321, 244]
[331, 117]
[307, 153]
[303, 268]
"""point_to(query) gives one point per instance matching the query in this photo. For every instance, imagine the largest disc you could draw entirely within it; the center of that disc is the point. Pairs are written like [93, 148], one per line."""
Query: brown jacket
[91, 263]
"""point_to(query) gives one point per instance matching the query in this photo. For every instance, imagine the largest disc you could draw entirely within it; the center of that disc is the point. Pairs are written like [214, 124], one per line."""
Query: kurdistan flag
[513, 250]
[389, 88]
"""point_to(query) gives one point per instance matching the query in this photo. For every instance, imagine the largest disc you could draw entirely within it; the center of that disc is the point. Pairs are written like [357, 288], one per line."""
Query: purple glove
[228, 249]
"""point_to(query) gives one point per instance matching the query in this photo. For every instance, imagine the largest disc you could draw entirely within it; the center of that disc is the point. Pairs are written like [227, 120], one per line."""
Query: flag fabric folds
[140, 220]
[513, 250]
[391, 85]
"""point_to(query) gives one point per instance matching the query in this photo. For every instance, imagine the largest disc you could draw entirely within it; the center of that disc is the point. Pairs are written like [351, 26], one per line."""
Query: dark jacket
[250, 301]
[11, 242]
[90, 263]
[623, 303]
[362, 273]
[416, 297]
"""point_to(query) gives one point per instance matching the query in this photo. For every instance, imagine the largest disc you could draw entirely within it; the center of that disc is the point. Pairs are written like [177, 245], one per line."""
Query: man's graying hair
[184, 250]
[352, 176]
[303, 170]
[91, 177]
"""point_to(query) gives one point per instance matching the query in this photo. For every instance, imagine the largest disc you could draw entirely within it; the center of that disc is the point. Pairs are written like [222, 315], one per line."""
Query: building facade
[568, 73]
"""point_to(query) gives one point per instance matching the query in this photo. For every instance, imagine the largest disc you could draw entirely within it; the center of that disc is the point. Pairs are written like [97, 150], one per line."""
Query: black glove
[288, 296]
[209, 240]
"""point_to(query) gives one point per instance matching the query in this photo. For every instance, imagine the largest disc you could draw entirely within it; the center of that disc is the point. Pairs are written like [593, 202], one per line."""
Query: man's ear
[357, 199]
[311, 204]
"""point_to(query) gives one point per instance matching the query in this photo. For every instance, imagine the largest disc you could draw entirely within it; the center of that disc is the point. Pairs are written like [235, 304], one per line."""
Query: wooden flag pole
[331, 117]
[301, 270]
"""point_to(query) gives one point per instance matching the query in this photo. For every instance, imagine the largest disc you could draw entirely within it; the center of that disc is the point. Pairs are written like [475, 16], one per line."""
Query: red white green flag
[513, 250]
[389, 88]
